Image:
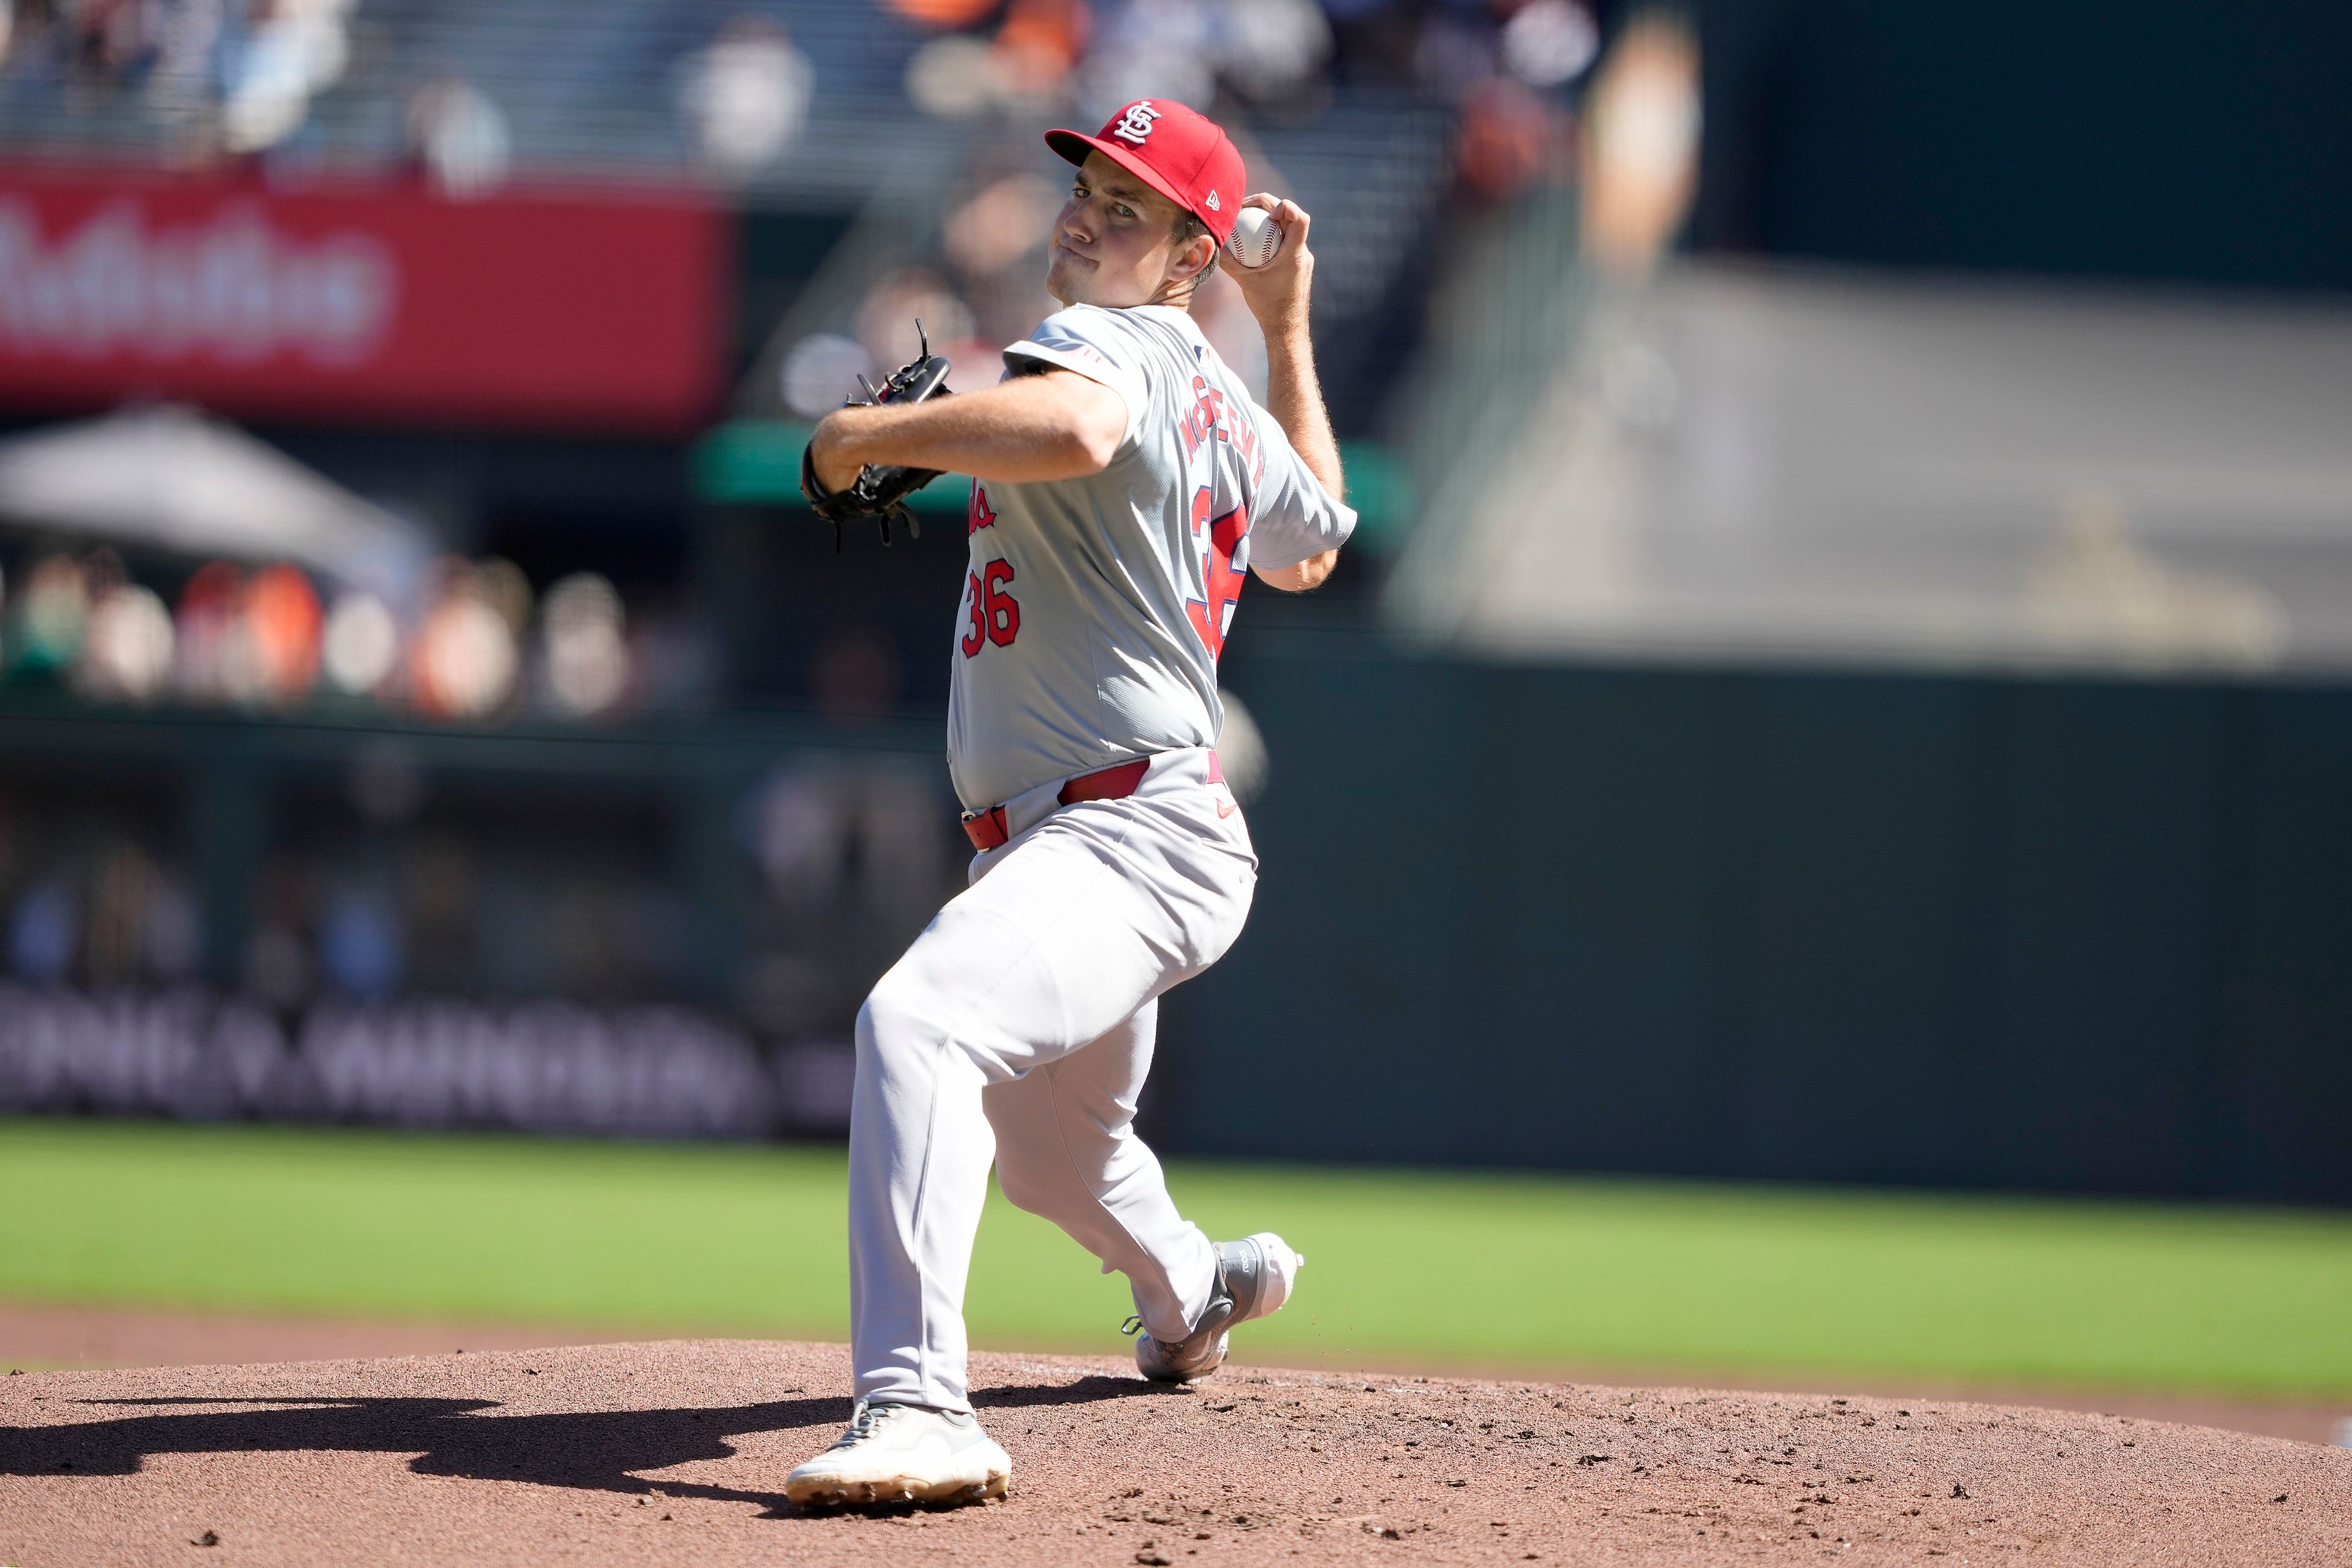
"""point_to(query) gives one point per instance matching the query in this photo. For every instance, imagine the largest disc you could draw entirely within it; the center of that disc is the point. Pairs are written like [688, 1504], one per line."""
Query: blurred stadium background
[1845, 675]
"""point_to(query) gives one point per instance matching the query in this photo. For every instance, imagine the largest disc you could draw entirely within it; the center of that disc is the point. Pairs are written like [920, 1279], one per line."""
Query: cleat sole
[900, 1492]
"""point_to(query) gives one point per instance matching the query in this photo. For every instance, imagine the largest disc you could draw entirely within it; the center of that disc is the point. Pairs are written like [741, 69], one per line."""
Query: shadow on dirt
[601, 1450]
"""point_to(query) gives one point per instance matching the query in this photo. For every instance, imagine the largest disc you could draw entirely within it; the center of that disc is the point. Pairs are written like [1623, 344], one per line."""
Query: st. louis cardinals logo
[1135, 125]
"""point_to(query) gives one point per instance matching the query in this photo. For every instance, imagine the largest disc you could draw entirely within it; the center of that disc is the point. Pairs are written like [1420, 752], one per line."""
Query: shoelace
[1134, 1324]
[865, 1423]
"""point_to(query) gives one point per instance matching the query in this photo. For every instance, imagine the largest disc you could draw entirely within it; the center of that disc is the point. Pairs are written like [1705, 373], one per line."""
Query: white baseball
[1255, 238]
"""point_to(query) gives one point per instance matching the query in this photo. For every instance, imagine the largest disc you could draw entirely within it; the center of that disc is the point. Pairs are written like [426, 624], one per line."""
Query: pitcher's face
[1114, 242]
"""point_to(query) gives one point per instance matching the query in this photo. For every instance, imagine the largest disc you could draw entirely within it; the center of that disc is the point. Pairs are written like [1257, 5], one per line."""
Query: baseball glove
[880, 489]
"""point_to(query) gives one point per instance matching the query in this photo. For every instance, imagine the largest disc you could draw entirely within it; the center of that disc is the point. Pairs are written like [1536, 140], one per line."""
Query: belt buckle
[987, 827]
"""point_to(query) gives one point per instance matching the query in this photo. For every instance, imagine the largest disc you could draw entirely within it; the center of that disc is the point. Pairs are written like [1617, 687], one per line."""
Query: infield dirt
[676, 1452]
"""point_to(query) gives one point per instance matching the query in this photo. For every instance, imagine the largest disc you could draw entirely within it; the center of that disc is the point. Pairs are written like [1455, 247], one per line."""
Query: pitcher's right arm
[1277, 296]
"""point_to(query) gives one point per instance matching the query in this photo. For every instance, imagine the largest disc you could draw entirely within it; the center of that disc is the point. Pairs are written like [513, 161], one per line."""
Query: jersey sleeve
[1291, 517]
[1084, 341]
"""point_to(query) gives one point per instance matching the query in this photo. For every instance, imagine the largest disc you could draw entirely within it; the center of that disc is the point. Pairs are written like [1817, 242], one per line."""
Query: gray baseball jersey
[1096, 607]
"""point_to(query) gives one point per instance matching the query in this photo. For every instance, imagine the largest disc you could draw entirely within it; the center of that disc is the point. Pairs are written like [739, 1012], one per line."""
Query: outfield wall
[1979, 932]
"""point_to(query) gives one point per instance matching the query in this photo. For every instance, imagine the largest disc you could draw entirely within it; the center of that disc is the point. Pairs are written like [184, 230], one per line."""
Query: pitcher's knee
[903, 1026]
[891, 1025]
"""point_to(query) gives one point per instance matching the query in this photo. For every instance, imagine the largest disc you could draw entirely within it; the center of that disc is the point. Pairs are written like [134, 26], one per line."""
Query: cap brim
[1074, 148]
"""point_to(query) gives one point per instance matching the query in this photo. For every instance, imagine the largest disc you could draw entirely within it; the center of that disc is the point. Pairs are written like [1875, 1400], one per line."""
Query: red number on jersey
[1220, 578]
[972, 639]
[995, 614]
[1004, 611]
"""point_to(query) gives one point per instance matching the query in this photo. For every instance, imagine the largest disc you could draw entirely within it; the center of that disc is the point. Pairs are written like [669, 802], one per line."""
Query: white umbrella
[171, 479]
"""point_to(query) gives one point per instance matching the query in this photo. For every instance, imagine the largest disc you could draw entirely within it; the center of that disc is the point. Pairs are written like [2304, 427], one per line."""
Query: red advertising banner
[599, 311]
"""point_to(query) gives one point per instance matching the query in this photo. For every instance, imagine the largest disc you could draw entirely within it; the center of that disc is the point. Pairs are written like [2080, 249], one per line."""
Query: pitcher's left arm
[1053, 425]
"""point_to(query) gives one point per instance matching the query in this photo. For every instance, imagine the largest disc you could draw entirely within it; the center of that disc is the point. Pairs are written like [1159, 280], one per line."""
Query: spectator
[1641, 143]
[280, 629]
[1002, 224]
[464, 659]
[44, 932]
[1039, 44]
[362, 953]
[128, 653]
[855, 677]
[886, 321]
[207, 616]
[1153, 48]
[110, 40]
[583, 653]
[1459, 47]
[458, 135]
[359, 643]
[1507, 139]
[50, 615]
[746, 97]
[1270, 49]
[1547, 43]
[821, 374]
[292, 49]
[184, 84]
[124, 886]
[943, 14]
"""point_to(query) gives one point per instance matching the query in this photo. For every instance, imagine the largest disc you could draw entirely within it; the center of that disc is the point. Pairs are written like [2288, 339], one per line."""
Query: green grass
[1407, 1267]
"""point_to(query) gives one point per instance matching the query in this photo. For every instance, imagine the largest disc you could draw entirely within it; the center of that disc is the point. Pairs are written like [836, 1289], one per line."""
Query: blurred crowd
[387, 892]
[1278, 56]
[378, 876]
[360, 900]
[479, 644]
[238, 77]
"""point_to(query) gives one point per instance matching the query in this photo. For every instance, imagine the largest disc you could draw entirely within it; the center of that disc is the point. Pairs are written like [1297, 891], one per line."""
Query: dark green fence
[1947, 931]
[1977, 932]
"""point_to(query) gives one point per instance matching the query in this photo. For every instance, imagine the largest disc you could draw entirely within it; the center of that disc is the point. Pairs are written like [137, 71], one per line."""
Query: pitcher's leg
[919, 1155]
[1067, 1149]
[1056, 945]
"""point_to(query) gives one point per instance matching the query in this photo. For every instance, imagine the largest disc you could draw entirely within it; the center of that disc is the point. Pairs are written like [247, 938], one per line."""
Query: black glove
[880, 489]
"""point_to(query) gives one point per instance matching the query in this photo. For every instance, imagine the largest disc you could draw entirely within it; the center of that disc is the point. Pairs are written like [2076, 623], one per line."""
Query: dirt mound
[676, 1452]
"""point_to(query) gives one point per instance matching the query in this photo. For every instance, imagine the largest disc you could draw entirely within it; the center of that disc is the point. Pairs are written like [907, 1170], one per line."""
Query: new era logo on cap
[1174, 149]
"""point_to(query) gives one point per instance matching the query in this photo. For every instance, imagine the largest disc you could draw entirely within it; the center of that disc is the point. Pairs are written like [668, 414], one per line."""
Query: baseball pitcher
[1125, 484]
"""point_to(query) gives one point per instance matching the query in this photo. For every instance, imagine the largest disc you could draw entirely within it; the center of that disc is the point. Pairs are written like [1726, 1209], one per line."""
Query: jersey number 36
[995, 614]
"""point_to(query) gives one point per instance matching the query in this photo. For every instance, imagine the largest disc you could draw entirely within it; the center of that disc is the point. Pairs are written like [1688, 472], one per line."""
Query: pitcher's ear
[1198, 253]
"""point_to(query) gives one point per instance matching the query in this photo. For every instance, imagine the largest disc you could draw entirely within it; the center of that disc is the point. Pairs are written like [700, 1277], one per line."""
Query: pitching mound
[676, 1452]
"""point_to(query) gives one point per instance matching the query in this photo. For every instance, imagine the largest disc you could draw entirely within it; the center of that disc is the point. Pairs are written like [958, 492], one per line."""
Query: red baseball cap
[1178, 152]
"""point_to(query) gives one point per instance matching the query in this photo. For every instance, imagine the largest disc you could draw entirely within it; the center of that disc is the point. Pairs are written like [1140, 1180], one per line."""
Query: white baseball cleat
[900, 1454]
[1254, 1276]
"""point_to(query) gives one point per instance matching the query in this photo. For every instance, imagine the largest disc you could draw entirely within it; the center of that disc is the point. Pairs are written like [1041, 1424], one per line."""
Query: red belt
[987, 828]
